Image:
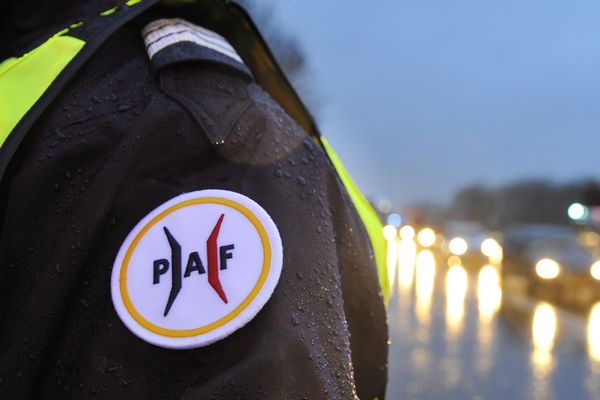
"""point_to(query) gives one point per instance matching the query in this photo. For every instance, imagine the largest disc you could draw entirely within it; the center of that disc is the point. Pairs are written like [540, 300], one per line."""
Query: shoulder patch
[196, 269]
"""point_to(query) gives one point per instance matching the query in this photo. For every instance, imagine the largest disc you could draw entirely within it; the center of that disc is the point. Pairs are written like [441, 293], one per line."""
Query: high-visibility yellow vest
[29, 83]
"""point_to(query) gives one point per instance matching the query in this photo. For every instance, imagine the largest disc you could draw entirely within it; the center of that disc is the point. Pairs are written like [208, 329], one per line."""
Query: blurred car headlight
[426, 237]
[595, 270]
[458, 246]
[407, 232]
[547, 268]
[389, 232]
[492, 250]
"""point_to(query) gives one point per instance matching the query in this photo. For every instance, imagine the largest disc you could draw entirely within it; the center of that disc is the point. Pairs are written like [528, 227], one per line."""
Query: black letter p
[160, 267]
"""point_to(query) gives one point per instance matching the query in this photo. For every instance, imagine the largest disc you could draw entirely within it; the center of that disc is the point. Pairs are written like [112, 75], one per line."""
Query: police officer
[169, 229]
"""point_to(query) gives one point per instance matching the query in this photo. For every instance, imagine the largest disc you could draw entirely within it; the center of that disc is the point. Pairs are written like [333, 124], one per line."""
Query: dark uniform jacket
[126, 135]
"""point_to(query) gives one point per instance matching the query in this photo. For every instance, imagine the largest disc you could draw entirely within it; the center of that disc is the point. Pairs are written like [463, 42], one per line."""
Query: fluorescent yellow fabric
[368, 216]
[23, 80]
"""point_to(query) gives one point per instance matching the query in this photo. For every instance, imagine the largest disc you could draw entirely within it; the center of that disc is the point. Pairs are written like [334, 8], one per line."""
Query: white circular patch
[196, 269]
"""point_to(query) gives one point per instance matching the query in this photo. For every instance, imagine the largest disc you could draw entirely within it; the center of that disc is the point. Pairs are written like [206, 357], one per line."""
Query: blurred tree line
[532, 201]
[287, 50]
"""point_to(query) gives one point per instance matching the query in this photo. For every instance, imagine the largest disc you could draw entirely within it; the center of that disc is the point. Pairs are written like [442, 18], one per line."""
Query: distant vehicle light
[389, 232]
[384, 206]
[492, 249]
[595, 270]
[578, 212]
[547, 268]
[407, 232]
[394, 219]
[590, 239]
[489, 247]
[458, 246]
[454, 260]
[426, 237]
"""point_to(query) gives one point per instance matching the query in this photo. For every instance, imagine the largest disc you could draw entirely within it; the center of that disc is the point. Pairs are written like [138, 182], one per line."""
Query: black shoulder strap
[231, 21]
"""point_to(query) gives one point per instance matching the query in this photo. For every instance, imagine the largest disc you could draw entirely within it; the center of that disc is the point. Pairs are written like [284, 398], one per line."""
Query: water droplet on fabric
[111, 369]
[295, 321]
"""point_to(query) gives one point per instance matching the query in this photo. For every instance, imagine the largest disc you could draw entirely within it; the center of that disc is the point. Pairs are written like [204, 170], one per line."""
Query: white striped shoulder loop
[166, 32]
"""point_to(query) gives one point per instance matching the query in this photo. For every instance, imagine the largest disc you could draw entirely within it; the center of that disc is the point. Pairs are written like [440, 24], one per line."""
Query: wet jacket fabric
[125, 136]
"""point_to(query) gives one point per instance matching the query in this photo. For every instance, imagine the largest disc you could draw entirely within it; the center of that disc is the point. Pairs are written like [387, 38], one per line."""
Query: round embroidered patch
[196, 269]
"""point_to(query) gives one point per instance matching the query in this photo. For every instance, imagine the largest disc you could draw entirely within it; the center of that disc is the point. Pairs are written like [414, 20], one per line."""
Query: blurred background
[474, 129]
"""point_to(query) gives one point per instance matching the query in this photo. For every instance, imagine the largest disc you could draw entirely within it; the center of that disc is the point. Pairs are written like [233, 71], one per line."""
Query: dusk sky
[421, 98]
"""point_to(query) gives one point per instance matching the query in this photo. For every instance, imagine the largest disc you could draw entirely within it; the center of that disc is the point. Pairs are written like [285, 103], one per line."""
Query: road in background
[457, 334]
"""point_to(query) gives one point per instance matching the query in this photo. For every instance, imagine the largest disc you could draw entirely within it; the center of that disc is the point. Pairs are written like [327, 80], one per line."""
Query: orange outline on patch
[183, 333]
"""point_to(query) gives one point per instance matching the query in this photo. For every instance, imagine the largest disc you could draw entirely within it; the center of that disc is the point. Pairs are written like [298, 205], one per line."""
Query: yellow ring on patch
[184, 333]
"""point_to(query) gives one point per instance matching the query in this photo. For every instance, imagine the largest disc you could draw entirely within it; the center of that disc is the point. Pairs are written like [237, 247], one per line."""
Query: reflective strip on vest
[367, 215]
[24, 80]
